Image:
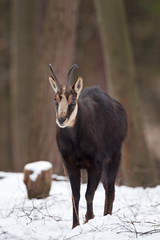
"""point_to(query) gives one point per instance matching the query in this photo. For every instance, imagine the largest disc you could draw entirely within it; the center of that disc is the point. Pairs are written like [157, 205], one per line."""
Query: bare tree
[89, 55]
[137, 166]
[57, 48]
[5, 140]
[21, 77]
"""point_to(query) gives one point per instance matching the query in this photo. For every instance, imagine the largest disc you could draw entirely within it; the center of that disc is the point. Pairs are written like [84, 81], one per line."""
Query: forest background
[116, 45]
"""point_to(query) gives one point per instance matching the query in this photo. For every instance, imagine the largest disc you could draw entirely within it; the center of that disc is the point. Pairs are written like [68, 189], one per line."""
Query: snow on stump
[38, 178]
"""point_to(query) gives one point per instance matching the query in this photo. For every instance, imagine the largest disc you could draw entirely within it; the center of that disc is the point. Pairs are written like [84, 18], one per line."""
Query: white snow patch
[37, 168]
[59, 178]
[136, 213]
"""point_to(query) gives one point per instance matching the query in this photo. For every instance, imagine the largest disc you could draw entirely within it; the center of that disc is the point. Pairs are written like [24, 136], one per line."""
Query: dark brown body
[93, 143]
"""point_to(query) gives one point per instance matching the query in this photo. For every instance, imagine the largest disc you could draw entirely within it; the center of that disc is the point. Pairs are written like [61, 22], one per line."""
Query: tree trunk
[137, 167]
[57, 48]
[5, 153]
[21, 77]
[89, 55]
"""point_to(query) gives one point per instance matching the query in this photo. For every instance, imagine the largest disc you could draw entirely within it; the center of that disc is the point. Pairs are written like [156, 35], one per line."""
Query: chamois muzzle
[61, 120]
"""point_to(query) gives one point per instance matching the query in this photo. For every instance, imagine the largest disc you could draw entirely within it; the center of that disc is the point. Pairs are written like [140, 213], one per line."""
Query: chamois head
[66, 97]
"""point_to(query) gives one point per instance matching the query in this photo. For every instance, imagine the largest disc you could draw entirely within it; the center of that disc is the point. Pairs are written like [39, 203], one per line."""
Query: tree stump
[38, 179]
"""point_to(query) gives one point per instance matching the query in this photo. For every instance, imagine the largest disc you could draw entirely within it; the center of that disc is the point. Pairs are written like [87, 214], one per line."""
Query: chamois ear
[78, 85]
[53, 84]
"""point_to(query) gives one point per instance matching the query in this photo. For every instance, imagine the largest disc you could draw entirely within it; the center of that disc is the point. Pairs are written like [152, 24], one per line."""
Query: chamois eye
[55, 101]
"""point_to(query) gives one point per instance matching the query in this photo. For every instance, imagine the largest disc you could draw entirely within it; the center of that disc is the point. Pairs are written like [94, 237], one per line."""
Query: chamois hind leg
[94, 175]
[108, 179]
[74, 177]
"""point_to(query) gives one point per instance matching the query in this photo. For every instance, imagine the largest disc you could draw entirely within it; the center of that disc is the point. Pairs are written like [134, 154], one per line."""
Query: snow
[136, 213]
[37, 168]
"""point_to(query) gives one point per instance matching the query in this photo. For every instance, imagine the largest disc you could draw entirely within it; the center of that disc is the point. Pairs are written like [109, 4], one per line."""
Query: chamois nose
[61, 120]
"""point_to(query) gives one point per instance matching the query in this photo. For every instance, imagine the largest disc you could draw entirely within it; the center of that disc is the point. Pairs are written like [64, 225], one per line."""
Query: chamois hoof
[75, 225]
[87, 219]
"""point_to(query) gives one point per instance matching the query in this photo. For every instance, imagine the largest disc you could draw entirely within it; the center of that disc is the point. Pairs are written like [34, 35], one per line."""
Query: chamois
[91, 127]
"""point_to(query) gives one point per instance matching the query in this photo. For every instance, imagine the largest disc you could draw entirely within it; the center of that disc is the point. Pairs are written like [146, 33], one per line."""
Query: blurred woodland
[116, 45]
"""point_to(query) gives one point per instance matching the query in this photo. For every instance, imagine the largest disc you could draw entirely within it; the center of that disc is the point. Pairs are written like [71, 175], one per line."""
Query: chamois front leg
[94, 175]
[74, 177]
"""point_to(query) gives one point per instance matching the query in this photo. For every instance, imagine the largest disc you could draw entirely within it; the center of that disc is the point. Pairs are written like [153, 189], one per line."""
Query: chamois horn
[69, 73]
[53, 75]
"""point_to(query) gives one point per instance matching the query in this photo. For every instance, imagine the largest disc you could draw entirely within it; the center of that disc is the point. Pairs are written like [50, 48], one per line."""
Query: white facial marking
[62, 107]
[69, 122]
[63, 89]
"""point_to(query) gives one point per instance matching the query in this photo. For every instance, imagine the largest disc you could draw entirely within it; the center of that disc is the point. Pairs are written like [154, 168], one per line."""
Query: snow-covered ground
[136, 213]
